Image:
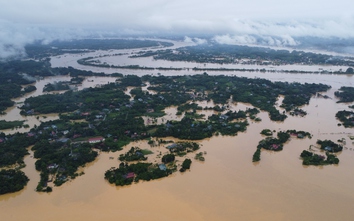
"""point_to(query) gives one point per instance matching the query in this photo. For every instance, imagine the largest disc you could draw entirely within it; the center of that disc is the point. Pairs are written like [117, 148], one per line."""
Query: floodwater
[122, 58]
[13, 113]
[227, 186]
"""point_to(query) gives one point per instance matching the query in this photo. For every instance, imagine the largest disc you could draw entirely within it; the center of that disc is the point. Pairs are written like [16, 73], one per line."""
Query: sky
[276, 22]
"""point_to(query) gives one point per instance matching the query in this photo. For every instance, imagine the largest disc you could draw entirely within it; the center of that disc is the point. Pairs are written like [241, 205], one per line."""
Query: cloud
[273, 22]
[14, 37]
[195, 40]
[235, 40]
[279, 41]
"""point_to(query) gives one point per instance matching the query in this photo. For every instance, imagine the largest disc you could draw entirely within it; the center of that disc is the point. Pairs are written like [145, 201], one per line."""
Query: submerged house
[130, 175]
[96, 140]
[162, 167]
[328, 148]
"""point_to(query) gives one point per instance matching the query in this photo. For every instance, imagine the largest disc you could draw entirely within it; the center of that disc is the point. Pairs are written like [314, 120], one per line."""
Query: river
[227, 186]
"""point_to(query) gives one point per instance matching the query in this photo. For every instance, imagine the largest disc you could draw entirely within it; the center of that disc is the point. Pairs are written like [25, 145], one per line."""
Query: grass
[146, 152]
[10, 124]
[156, 114]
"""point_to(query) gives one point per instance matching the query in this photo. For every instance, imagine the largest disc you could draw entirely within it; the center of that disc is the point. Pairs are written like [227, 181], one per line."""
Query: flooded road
[227, 186]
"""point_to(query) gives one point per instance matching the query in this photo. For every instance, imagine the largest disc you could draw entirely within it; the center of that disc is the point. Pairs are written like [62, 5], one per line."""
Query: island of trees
[127, 173]
[330, 148]
[12, 181]
[276, 144]
[238, 54]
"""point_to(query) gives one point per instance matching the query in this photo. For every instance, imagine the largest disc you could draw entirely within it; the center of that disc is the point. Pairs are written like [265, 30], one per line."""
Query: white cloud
[235, 40]
[195, 40]
[236, 21]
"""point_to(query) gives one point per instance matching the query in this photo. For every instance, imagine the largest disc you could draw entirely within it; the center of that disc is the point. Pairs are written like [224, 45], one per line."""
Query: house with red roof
[95, 140]
[129, 175]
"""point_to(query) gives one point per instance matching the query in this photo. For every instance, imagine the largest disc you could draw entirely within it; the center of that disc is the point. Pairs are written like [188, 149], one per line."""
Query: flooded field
[227, 186]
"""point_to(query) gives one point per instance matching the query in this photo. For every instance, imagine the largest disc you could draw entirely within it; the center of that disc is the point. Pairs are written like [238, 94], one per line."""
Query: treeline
[310, 158]
[93, 98]
[225, 54]
[10, 124]
[345, 94]
[13, 148]
[59, 86]
[12, 181]
[39, 50]
[58, 162]
[276, 144]
[191, 129]
[126, 174]
[346, 118]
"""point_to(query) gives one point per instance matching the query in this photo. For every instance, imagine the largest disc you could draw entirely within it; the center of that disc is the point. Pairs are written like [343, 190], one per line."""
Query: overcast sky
[22, 21]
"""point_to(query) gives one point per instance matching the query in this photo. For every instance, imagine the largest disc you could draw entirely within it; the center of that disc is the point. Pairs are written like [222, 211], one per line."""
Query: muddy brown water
[227, 186]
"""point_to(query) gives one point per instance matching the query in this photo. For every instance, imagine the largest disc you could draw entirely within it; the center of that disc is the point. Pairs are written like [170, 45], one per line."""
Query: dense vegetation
[10, 124]
[39, 50]
[299, 133]
[345, 94]
[134, 154]
[12, 76]
[267, 132]
[13, 148]
[15, 73]
[310, 158]
[329, 146]
[126, 174]
[276, 144]
[257, 155]
[12, 181]
[71, 101]
[225, 54]
[186, 165]
[58, 161]
[259, 92]
[59, 86]
[346, 117]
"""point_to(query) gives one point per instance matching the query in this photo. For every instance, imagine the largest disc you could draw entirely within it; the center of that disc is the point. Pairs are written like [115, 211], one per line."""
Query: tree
[349, 71]
[168, 158]
[257, 155]
[186, 165]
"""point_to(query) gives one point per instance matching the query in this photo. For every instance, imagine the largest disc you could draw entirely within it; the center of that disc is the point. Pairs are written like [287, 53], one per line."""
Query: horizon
[273, 23]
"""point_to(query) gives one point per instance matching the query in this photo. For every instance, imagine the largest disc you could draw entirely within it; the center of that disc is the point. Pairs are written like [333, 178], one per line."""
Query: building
[95, 140]
[162, 167]
[129, 175]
